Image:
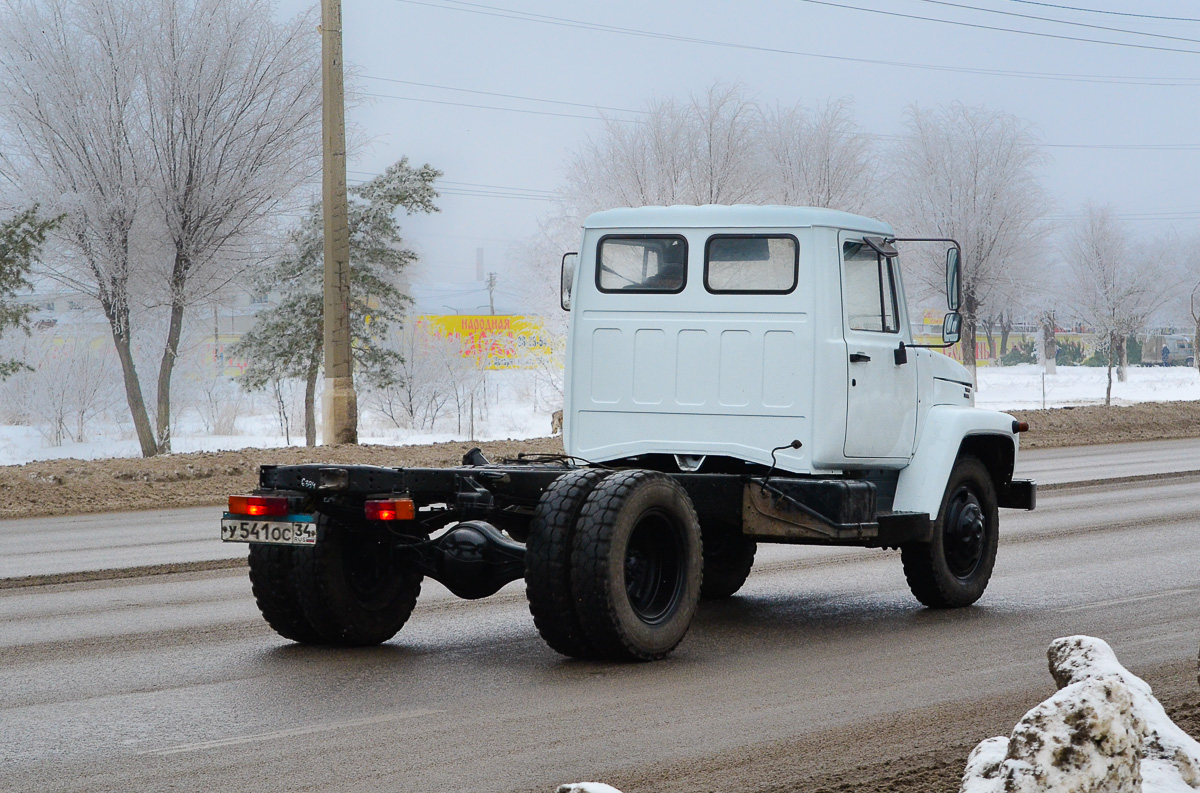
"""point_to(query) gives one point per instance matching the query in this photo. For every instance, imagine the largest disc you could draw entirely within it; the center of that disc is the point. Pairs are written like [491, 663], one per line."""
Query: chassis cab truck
[735, 375]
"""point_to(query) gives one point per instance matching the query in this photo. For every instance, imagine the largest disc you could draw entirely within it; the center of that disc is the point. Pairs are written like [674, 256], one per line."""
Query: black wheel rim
[654, 567]
[964, 533]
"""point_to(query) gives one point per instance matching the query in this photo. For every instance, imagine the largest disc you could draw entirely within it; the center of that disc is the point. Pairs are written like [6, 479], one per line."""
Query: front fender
[922, 482]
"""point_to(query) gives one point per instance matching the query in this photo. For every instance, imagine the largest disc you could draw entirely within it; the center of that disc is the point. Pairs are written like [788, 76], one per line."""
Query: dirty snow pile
[587, 787]
[1103, 732]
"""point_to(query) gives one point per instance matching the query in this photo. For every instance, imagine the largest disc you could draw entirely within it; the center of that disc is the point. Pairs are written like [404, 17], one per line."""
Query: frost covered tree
[817, 157]
[67, 109]
[165, 131]
[287, 340]
[971, 174]
[232, 126]
[1115, 287]
[21, 240]
[699, 151]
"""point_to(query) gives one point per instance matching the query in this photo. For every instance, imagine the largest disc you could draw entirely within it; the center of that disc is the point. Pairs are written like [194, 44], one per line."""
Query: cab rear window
[641, 263]
[756, 263]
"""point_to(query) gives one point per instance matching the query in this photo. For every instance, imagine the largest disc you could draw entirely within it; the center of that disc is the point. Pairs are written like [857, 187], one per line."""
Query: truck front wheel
[636, 566]
[954, 568]
[355, 585]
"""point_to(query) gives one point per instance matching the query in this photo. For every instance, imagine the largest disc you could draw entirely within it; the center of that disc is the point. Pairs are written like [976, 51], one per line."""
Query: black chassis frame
[492, 505]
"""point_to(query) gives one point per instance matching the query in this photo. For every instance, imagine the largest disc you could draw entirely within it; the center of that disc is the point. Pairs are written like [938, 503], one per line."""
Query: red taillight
[392, 509]
[259, 506]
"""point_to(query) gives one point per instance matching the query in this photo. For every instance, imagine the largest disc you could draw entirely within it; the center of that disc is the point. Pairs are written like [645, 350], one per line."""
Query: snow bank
[587, 787]
[1102, 732]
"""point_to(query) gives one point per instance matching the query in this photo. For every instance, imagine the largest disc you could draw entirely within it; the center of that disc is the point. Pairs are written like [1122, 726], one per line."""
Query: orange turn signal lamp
[1020, 426]
[259, 506]
[391, 509]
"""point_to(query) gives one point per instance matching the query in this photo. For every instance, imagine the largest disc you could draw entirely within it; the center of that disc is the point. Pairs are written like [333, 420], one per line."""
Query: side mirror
[953, 280]
[567, 279]
[952, 328]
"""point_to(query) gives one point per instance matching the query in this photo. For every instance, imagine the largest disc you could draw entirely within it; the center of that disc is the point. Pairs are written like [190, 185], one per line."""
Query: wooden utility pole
[340, 401]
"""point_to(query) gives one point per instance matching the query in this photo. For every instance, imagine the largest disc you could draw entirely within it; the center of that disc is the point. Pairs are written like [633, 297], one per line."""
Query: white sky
[473, 47]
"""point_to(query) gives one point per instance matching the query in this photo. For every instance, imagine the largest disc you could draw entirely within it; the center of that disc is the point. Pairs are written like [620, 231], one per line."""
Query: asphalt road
[173, 682]
[49, 546]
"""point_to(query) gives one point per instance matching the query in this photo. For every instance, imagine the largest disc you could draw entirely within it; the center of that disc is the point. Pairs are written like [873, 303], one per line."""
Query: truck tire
[548, 562]
[728, 558]
[271, 580]
[355, 586]
[636, 566]
[954, 568]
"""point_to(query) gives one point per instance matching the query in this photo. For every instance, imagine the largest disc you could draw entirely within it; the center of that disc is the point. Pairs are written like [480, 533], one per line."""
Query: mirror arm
[953, 242]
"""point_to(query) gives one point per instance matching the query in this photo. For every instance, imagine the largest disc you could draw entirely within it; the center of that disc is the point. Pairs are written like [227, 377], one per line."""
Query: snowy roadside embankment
[1026, 387]
[1102, 732]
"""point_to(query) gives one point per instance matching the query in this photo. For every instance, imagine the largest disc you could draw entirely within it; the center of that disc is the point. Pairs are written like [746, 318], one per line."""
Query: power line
[1113, 146]
[542, 193]
[488, 107]
[522, 16]
[1101, 11]
[482, 194]
[1086, 146]
[978, 26]
[505, 96]
[1060, 21]
[474, 190]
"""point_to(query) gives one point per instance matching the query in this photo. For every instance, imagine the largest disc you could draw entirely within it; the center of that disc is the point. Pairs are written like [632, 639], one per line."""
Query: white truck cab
[730, 331]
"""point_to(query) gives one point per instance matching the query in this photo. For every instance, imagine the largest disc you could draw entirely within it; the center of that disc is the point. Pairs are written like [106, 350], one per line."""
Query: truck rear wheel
[355, 586]
[954, 568]
[728, 558]
[548, 562]
[636, 566]
[274, 587]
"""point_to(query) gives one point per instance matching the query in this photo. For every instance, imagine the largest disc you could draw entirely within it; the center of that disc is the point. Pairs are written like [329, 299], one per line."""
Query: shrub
[1019, 352]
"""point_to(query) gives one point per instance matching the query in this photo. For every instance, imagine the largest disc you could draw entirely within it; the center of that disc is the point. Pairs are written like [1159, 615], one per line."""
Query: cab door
[881, 392]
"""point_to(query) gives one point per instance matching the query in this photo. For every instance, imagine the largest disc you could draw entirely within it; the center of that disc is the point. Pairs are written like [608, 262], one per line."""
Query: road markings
[290, 733]
[1137, 599]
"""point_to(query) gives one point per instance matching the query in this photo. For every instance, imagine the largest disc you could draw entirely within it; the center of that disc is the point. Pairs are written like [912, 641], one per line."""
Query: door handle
[859, 357]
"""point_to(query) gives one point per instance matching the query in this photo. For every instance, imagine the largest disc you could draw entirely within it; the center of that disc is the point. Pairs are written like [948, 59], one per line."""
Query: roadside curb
[1119, 480]
[121, 572]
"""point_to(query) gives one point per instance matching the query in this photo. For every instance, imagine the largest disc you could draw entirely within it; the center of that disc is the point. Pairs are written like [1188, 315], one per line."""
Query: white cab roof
[736, 216]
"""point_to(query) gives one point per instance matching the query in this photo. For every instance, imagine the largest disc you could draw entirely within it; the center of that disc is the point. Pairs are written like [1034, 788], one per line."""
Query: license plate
[292, 530]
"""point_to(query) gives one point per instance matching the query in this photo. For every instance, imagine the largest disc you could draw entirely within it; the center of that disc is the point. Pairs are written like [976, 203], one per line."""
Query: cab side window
[870, 296]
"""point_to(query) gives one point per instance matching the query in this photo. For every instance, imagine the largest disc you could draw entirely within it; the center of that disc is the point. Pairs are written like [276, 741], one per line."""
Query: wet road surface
[174, 682]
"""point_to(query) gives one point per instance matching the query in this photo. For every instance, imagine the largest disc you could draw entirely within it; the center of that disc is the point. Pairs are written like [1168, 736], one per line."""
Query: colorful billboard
[494, 341]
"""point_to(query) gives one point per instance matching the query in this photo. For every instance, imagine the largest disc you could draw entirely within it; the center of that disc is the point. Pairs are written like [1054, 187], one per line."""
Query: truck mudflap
[1018, 494]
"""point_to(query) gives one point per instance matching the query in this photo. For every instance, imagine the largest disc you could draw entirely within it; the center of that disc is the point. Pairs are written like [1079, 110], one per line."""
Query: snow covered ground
[511, 410]
[1021, 387]
[511, 413]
